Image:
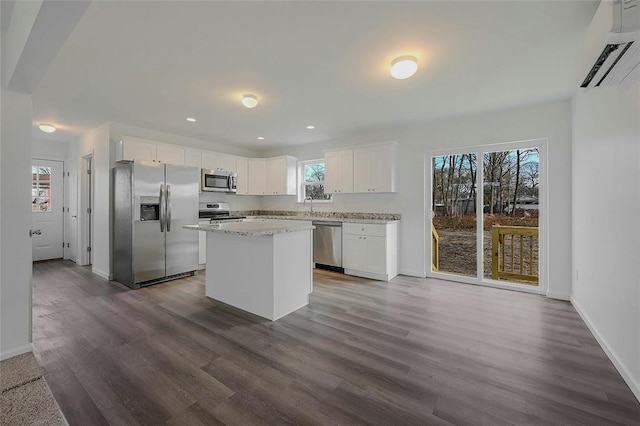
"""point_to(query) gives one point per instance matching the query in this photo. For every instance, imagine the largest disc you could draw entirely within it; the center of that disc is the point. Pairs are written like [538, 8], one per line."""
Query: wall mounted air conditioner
[613, 44]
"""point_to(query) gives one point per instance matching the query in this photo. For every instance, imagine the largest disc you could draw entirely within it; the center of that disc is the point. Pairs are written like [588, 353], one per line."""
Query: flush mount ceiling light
[404, 67]
[311, 127]
[191, 119]
[47, 128]
[249, 100]
[260, 138]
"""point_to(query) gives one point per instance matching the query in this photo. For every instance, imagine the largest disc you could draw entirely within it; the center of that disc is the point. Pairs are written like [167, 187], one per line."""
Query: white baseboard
[16, 351]
[632, 382]
[100, 273]
[417, 274]
[558, 295]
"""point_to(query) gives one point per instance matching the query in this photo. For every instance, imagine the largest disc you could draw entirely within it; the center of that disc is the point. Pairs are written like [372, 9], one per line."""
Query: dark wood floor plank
[410, 351]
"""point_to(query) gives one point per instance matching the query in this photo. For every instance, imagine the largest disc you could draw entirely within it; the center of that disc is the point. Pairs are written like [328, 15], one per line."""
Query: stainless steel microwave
[218, 181]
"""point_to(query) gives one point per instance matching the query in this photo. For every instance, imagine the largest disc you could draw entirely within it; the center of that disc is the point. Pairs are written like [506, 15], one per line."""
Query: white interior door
[46, 206]
[71, 211]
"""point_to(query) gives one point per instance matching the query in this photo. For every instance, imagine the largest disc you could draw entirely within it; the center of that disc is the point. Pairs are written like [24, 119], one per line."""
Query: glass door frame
[479, 279]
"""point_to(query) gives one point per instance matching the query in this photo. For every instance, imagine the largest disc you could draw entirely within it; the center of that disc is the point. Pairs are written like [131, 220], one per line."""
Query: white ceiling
[152, 64]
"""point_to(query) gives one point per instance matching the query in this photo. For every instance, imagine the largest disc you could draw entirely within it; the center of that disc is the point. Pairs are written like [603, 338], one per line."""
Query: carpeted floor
[26, 398]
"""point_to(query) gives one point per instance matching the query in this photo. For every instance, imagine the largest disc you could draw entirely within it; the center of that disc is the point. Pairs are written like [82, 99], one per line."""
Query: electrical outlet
[577, 275]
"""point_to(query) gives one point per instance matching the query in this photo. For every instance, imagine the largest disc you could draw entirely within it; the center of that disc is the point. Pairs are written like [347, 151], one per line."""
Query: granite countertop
[326, 219]
[254, 227]
[328, 216]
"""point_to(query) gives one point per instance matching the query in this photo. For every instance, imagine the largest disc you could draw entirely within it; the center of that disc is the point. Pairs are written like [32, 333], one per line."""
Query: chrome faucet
[310, 203]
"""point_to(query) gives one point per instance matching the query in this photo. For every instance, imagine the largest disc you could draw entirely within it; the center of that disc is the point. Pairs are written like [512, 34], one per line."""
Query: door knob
[36, 232]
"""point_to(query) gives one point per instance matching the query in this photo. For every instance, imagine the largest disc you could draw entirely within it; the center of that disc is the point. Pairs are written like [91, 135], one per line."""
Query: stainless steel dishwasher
[327, 245]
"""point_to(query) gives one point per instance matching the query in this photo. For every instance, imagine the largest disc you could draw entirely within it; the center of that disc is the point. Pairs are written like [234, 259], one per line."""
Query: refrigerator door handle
[168, 201]
[162, 208]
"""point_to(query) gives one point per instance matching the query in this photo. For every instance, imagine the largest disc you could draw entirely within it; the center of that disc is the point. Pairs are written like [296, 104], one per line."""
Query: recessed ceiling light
[249, 100]
[260, 138]
[311, 127]
[47, 128]
[191, 119]
[404, 67]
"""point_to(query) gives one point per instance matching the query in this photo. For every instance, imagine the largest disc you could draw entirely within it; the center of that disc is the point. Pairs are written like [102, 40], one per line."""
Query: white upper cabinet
[257, 182]
[281, 175]
[217, 161]
[193, 157]
[374, 168]
[242, 168]
[170, 154]
[271, 176]
[338, 172]
[137, 149]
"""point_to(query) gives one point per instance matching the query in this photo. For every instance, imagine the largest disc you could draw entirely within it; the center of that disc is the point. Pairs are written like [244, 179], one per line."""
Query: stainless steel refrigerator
[151, 202]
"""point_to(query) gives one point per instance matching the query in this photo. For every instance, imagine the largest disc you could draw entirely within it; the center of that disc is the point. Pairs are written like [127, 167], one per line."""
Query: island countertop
[254, 227]
[327, 219]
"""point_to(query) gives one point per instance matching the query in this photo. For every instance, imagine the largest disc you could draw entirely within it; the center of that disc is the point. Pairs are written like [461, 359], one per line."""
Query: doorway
[47, 205]
[487, 215]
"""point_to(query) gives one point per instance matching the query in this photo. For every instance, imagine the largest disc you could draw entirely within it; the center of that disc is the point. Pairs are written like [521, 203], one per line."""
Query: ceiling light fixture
[47, 128]
[260, 138]
[404, 67]
[311, 127]
[191, 119]
[249, 100]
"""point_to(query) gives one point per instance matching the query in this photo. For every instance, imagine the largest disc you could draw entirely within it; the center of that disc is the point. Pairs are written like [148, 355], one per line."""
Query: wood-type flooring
[411, 351]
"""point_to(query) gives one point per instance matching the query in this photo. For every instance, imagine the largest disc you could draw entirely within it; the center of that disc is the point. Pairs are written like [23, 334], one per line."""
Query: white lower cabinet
[370, 250]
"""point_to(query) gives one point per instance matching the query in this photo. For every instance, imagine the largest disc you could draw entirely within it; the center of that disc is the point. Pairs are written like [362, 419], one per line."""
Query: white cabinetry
[338, 171]
[272, 176]
[137, 149]
[257, 184]
[170, 154]
[374, 168]
[242, 168]
[281, 175]
[215, 161]
[370, 250]
[193, 157]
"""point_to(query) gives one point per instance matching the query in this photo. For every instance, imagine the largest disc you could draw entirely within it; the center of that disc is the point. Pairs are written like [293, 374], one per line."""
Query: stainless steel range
[217, 211]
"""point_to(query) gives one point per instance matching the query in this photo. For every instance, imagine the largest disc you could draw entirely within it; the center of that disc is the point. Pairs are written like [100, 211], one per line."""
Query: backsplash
[328, 215]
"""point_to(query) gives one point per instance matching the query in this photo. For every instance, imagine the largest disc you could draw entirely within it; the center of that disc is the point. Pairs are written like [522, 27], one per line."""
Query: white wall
[52, 150]
[606, 229]
[96, 143]
[15, 205]
[552, 121]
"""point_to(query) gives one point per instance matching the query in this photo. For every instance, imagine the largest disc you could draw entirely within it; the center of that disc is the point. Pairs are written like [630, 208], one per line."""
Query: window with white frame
[311, 178]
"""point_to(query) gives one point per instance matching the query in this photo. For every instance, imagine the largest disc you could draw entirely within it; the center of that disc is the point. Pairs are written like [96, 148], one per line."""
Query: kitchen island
[260, 266]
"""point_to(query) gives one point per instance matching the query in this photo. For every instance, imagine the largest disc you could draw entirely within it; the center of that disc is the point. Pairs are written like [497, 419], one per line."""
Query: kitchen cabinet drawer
[379, 230]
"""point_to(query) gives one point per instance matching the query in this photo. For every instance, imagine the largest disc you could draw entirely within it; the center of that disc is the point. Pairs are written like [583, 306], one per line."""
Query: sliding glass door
[486, 215]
